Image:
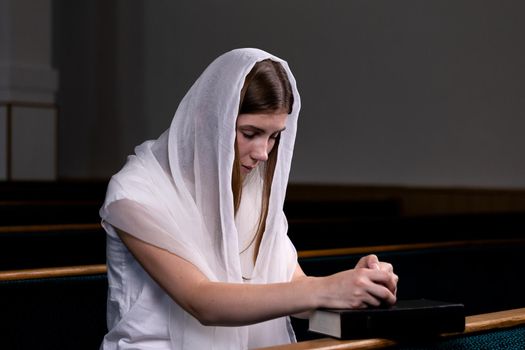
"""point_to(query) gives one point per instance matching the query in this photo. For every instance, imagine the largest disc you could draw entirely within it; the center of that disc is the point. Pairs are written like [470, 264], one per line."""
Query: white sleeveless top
[246, 222]
[138, 307]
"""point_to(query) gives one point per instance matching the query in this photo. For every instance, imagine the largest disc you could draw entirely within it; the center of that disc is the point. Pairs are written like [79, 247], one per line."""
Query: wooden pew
[332, 209]
[48, 212]
[364, 224]
[55, 298]
[497, 330]
[36, 246]
[383, 230]
[469, 272]
[62, 190]
[53, 308]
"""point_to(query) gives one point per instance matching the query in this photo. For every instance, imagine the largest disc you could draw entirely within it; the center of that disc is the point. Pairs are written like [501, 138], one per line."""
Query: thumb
[373, 262]
[369, 262]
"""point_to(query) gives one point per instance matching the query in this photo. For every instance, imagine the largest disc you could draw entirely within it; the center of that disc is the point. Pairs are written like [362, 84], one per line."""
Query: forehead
[264, 121]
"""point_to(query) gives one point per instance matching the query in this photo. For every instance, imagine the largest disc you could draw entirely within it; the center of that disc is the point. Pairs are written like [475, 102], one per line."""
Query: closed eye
[249, 135]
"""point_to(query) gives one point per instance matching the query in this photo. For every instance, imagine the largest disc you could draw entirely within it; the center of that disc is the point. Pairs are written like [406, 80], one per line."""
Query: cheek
[242, 146]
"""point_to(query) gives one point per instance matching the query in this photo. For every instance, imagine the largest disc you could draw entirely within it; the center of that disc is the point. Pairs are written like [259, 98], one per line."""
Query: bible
[407, 318]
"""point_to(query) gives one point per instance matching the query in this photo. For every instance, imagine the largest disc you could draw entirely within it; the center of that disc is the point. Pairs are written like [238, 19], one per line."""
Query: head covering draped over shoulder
[176, 193]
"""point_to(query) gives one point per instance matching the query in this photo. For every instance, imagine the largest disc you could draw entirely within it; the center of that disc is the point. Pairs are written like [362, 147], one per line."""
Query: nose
[260, 151]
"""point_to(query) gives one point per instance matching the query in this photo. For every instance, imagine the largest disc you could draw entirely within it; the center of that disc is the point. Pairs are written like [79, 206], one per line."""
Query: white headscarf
[176, 193]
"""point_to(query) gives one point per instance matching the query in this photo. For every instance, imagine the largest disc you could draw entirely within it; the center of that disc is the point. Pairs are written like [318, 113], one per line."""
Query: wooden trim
[473, 324]
[333, 344]
[44, 228]
[404, 247]
[53, 272]
[495, 320]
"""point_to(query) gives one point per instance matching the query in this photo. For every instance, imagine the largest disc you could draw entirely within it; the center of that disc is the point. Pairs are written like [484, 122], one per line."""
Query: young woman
[198, 252]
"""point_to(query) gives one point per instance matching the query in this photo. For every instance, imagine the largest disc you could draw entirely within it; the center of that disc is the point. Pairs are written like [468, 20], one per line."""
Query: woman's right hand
[358, 288]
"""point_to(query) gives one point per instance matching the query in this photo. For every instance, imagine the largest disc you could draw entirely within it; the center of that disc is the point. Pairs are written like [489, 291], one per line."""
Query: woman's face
[256, 136]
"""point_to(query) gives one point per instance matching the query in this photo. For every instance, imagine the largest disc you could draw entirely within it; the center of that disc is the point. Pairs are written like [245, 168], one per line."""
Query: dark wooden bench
[44, 203]
[472, 258]
[63, 190]
[324, 209]
[48, 212]
[317, 233]
[482, 274]
[68, 304]
[25, 247]
[56, 308]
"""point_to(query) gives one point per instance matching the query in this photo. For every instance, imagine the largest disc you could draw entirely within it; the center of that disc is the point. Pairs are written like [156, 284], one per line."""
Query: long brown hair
[266, 90]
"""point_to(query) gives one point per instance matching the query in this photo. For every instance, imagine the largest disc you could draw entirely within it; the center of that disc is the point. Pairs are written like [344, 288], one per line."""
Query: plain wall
[400, 92]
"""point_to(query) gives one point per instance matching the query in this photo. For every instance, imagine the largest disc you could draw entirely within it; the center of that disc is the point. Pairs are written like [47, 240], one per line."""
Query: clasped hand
[370, 283]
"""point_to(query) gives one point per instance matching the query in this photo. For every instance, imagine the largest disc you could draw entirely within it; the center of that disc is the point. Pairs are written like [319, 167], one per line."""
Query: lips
[247, 168]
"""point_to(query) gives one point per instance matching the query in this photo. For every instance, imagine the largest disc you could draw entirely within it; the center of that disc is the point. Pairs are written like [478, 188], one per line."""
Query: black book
[407, 318]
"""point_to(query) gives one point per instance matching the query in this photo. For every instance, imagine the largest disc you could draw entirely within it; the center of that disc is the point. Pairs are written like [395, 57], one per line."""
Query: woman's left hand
[372, 262]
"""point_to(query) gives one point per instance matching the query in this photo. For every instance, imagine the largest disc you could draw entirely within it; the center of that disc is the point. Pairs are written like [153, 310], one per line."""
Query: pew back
[67, 312]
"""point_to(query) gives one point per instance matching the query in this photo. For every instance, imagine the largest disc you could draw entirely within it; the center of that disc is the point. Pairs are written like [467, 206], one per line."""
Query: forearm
[227, 304]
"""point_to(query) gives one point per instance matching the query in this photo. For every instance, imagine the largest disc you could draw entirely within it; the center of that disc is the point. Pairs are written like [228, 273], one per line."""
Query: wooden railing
[406, 247]
[52, 272]
[47, 228]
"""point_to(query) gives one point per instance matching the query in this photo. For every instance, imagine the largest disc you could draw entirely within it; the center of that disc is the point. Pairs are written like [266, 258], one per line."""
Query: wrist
[315, 291]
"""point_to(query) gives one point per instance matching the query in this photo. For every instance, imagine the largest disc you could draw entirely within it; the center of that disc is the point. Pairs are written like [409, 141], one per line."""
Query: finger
[374, 266]
[386, 279]
[396, 280]
[365, 300]
[371, 262]
[384, 266]
[382, 294]
[372, 301]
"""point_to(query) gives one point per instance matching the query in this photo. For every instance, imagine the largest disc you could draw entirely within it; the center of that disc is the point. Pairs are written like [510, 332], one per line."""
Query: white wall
[394, 92]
